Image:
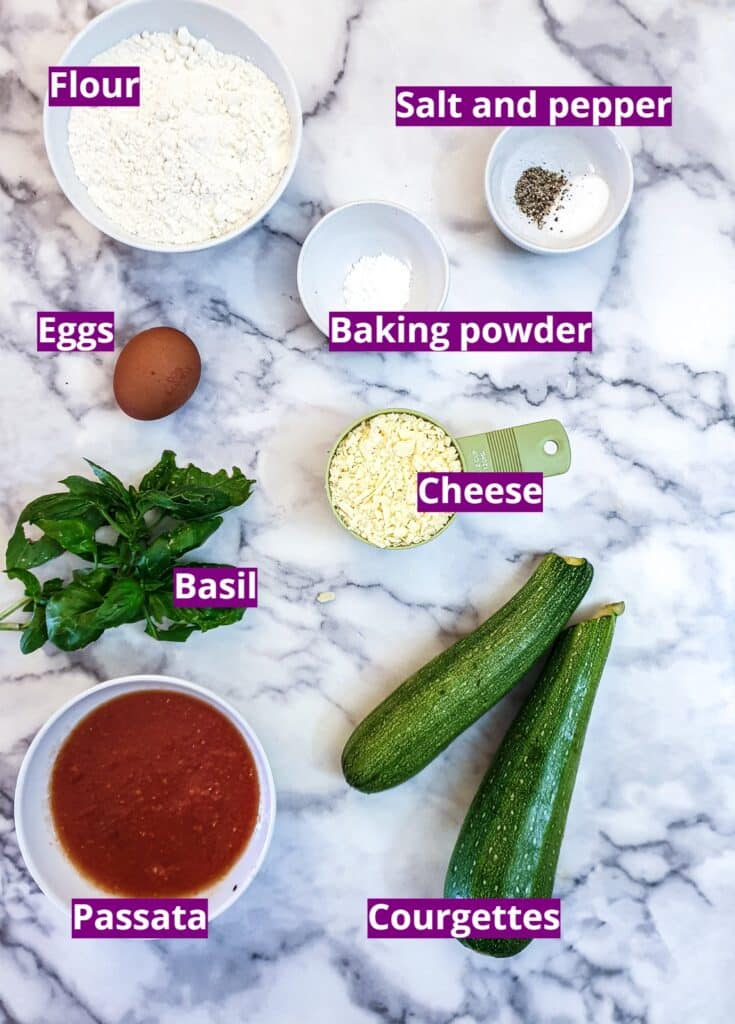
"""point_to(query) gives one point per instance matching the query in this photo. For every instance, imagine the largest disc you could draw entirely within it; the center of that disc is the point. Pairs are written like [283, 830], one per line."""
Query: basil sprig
[173, 511]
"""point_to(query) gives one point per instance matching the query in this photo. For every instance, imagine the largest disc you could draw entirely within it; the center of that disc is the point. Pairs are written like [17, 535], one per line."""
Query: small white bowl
[572, 150]
[367, 229]
[227, 33]
[40, 848]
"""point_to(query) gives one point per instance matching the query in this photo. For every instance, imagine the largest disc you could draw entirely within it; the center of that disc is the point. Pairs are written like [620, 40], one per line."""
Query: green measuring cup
[541, 447]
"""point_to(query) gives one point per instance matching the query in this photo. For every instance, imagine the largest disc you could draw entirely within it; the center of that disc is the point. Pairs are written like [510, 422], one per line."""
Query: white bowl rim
[208, 696]
[373, 202]
[297, 127]
[534, 246]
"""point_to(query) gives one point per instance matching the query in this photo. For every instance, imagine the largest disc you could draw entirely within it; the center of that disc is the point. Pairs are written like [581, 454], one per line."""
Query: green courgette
[419, 719]
[509, 843]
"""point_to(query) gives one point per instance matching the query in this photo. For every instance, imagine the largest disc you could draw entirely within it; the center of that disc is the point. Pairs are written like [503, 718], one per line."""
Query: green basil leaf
[191, 493]
[170, 546]
[34, 634]
[75, 535]
[92, 490]
[50, 588]
[27, 554]
[115, 556]
[112, 505]
[205, 619]
[160, 605]
[55, 506]
[31, 583]
[22, 553]
[174, 634]
[80, 613]
[97, 579]
[68, 622]
[114, 485]
[123, 603]
[157, 479]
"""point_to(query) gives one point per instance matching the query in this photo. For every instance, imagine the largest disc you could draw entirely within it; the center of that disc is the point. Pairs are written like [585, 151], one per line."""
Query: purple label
[463, 919]
[75, 332]
[480, 492]
[222, 587]
[642, 105]
[461, 332]
[139, 919]
[93, 86]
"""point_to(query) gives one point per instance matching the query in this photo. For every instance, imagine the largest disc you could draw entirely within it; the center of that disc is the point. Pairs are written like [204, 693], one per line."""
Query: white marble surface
[647, 870]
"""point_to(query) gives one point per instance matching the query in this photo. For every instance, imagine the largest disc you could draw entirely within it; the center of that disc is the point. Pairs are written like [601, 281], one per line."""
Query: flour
[201, 155]
[376, 283]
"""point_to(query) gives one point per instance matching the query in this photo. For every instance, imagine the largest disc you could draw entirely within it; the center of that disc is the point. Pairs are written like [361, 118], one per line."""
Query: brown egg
[156, 372]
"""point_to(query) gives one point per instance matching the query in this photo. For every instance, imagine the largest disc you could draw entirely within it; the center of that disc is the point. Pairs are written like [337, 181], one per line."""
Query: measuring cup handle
[541, 447]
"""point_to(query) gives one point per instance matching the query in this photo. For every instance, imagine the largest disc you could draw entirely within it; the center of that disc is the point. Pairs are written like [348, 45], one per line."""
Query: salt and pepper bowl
[574, 151]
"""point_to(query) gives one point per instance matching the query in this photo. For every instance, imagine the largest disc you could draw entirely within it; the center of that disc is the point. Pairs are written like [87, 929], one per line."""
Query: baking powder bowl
[369, 228]
[227, 33]
[39, 845]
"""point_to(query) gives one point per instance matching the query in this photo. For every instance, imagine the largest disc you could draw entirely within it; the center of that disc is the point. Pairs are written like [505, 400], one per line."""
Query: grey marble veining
[647, 872]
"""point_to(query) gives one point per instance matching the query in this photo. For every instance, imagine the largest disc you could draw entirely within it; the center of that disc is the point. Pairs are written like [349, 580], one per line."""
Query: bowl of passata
[145, 786]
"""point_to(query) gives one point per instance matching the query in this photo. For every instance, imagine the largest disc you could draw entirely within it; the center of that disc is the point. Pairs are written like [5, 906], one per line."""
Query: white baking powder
[380, 282]
[201, 155]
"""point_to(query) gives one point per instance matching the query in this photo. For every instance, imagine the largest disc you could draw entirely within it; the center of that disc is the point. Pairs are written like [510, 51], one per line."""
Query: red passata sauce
[154, 793]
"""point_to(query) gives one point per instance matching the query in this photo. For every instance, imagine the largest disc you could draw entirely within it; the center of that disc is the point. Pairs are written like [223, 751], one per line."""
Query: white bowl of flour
[212, 146]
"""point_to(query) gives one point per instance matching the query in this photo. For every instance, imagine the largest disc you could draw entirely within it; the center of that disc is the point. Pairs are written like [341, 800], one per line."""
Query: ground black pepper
[538, 191]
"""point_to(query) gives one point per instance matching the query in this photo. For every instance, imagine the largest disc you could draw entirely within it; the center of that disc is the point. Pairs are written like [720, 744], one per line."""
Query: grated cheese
[372, 478]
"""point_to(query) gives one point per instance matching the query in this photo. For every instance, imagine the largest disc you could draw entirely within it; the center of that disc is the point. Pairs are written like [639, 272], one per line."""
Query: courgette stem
[609, 609]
